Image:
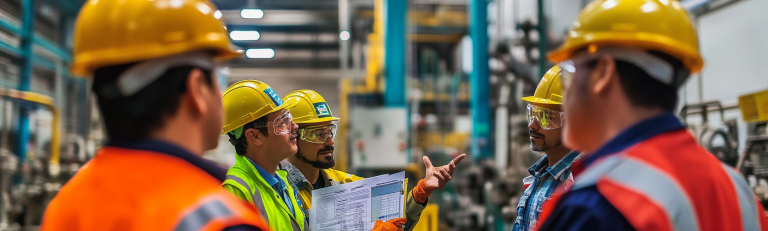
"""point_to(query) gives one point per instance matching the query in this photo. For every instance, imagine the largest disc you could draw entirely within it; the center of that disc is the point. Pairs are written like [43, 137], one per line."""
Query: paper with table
[357, 205]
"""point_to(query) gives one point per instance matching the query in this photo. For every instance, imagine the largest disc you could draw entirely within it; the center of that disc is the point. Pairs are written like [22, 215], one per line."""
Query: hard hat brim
[320, 120]
[283, 106]
[85, 64]
[690, 56]
[533, 99]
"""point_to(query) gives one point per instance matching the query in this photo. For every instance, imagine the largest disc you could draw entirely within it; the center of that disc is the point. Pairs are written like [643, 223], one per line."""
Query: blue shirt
[278, 185]
[586, 208]
[546, 181]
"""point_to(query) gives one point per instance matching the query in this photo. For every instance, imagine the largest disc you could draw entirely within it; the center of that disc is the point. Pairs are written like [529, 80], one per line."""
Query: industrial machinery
[722, 141]
[28, 184]
[753, 164]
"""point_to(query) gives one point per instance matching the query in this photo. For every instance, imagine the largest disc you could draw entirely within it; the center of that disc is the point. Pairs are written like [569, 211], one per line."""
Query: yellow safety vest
[245, 177]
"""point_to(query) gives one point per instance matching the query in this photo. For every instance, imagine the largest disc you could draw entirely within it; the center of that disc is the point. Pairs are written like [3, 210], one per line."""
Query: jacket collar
[163, 147]
[637, 133]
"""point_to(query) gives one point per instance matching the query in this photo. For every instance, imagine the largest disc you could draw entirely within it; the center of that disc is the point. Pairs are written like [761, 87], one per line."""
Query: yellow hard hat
[307, 106]
[248, 100]
[549, 91]
[118, 32]
[661, 25]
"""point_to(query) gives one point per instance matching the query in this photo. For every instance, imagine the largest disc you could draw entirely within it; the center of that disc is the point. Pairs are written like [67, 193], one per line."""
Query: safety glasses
[547, 118]
[568, 68]
[317, 134]
[282, 124]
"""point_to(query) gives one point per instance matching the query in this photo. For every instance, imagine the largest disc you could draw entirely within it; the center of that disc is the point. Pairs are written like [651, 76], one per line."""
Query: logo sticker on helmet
[322, 109]
[272, 95]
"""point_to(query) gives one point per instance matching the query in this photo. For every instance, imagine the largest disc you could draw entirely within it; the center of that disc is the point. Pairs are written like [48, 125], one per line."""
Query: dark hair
[135, 117]
[643, 90]
[241, 144]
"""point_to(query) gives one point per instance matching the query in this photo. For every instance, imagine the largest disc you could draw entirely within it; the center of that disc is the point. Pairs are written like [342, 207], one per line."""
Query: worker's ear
[253, 136]
[198, 91]
[603, 75]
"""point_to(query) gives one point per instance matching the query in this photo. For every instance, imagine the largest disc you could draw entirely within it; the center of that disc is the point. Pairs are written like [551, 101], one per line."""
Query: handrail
[48, 102]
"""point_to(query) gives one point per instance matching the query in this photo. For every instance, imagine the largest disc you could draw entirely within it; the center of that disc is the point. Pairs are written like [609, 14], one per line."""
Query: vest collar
[635, 134]
[163, 147]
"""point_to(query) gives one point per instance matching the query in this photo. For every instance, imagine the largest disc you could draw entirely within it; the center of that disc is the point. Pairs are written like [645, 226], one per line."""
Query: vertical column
[542, 29]
[478, 82]
[25, 40]
[395, 12]
[344, 44]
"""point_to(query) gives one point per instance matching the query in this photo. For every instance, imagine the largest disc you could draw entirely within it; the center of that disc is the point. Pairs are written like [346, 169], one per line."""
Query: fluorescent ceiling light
[344, 35]
[252, 13]
[262, 53]
[244, 35]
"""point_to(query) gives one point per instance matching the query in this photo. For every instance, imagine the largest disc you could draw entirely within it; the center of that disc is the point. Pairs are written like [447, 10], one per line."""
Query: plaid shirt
[546, 180]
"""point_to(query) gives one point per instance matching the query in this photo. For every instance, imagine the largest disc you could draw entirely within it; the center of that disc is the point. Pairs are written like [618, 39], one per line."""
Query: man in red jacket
[623, 62]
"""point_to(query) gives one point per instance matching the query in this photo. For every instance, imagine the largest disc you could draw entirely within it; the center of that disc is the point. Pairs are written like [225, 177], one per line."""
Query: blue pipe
[26, 40]
[395, 12]
[9, 48]
[479, 80]
[36, 59]
[542, 29]
[44, 43]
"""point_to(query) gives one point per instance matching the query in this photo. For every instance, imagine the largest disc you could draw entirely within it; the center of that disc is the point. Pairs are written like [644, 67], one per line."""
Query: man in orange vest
[153, 70]
[623, 62]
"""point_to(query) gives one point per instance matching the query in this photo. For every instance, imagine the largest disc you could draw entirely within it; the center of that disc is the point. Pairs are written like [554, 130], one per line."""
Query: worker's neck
[622, 119]
[311, 173]
[556, 154]
[191, 141]
[262, 160]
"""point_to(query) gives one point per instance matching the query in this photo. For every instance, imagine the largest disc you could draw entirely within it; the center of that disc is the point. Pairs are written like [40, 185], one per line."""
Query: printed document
[357, 205]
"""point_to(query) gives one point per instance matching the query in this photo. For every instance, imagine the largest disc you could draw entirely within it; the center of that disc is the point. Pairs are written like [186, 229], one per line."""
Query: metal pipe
[542, 28]
[36, 59]
[56, 129]
[25, 78]
[395, 15]
[343, 153]
[479, 80]
[344, 44]
[42, 42]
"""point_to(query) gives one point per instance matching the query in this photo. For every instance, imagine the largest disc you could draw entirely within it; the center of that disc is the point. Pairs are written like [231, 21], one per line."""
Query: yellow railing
[48, 103]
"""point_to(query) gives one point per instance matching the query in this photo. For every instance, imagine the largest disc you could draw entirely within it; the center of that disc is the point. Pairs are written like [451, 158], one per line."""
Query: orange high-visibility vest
[669, 182]
[127, 189]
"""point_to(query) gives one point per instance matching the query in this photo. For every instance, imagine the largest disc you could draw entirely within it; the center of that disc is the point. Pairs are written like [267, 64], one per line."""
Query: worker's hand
[437, 177]
[391, 225]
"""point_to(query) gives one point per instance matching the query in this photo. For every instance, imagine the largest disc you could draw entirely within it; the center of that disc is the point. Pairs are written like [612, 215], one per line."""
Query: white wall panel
[734, 43]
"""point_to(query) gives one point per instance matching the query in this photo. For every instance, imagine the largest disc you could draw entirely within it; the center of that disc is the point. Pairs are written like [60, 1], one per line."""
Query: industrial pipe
[47, 102]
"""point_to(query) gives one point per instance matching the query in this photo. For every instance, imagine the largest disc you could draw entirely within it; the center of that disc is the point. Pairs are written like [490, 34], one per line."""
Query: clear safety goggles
[318, 134]
[548, 119]
[282, 124]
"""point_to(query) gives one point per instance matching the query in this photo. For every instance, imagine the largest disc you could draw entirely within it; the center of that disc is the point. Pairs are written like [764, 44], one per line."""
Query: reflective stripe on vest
[655, 185]
[254, 194]
[274, 210]
[664, 191]
[746, 200]
[197, 219]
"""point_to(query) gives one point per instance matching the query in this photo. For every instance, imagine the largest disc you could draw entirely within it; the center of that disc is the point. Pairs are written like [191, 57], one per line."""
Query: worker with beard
[553, 169]
[311, 167]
